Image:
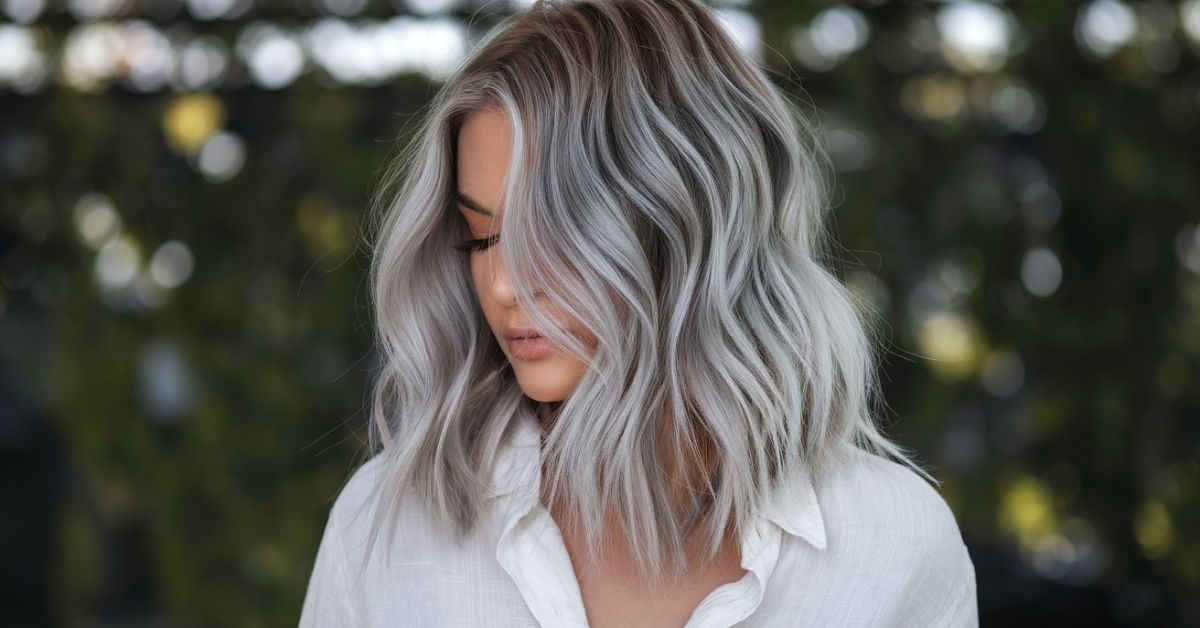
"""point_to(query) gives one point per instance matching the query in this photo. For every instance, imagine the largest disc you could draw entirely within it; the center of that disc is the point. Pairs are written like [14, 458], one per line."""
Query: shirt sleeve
[962, 610]
[327, 601]
[940, 589]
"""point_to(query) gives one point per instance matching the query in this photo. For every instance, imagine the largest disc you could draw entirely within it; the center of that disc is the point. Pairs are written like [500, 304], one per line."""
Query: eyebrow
[470, 203]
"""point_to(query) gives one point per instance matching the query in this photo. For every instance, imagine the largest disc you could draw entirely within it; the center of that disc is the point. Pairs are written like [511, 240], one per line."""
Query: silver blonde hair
[664, 193]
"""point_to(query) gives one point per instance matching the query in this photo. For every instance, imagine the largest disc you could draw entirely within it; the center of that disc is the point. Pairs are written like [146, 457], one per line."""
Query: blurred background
[184, 325]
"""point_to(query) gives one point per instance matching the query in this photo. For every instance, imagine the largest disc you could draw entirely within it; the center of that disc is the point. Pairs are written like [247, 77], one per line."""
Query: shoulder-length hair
[664, 193]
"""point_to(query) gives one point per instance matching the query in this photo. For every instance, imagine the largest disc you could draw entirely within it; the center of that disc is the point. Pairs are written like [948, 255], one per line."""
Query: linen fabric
[874, 546]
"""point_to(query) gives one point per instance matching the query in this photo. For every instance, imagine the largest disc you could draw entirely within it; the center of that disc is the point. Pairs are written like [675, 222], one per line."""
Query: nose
[501, 284]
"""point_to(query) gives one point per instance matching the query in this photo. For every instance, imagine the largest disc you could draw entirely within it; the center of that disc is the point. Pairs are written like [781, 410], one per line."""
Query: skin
[484, 145]
[611, 590]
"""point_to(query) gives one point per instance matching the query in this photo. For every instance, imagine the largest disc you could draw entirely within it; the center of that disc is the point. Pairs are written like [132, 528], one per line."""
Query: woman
[619, 388]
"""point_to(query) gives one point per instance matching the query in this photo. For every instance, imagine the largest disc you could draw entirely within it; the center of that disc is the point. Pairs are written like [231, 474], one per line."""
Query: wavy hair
[664, 193]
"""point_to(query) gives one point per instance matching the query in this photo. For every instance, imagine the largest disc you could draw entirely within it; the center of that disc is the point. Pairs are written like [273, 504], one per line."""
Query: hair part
[666, 194]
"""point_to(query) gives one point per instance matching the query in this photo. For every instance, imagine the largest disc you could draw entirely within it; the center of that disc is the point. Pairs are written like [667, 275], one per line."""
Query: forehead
[483, 152]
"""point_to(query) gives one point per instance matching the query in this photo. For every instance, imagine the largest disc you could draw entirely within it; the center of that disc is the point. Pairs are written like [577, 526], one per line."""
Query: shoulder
[869, 493]
[369, 509]
[373, 508]
[358, 491]
[332, 596]
[885, 520]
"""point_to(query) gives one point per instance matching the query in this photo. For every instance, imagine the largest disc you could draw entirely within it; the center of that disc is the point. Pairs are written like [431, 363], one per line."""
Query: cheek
[475, 274]
[481, 282]
[589, 340]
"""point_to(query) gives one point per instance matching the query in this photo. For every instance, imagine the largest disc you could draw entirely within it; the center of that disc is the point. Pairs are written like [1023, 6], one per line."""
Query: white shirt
[876, 546]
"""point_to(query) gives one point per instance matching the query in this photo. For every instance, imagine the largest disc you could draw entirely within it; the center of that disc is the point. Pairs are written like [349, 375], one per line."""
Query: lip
[525, 343]
[523, 331]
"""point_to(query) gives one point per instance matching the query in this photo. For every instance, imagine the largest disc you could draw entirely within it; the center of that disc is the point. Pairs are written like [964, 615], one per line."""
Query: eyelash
[471, 246]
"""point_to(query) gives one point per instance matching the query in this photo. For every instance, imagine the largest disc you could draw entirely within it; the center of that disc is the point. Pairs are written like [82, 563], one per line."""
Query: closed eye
[478, 244]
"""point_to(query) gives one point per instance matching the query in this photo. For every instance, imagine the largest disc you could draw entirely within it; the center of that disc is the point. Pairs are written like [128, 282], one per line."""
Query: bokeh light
[427, 7]
[977, 36]
[171, 264]
[1154, 530]
[1187, 247]
[202, 63]
[273, 54]
[1189, 17]
[96, 220]
[23, 64]
[167, 386]
[743, 28]
[1041, 272]
[1103, 26]
[218, 9]
[834, 34]
[24, 11]
[222, 157]
[191, 119]
[1002, 373]
[91, 56]
[951, 344]
[118, 262]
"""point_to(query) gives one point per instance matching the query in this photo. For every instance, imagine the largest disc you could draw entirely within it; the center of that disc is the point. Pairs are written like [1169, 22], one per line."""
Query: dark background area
[184, 325]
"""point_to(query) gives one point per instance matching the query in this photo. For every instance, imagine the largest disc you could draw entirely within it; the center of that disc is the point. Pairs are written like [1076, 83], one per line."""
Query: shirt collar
[794, 508]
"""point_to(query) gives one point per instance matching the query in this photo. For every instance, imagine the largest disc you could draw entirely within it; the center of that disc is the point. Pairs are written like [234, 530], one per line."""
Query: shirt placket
[735, 601]
[532, 551]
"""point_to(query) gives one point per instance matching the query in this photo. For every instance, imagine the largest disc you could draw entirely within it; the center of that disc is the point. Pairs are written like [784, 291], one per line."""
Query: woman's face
[484, 145]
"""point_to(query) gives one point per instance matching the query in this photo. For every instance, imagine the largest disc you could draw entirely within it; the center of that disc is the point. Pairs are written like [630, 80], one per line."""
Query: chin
[542, 398]
[542, 391]
[548, 380]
